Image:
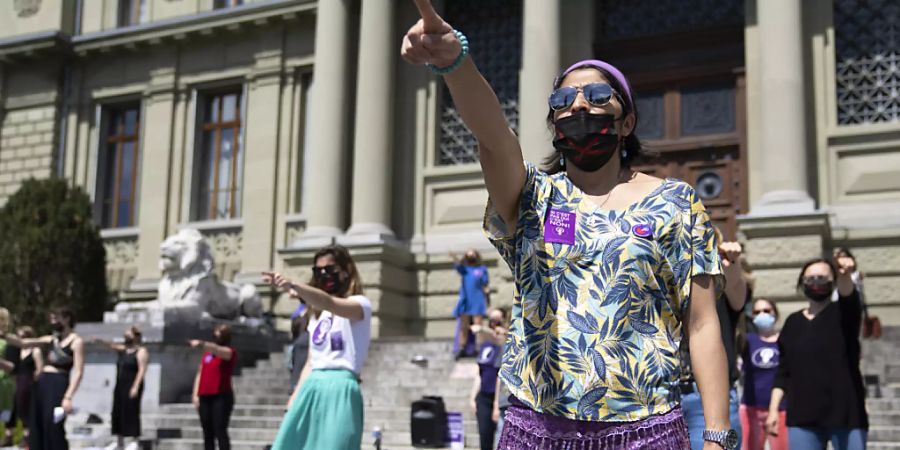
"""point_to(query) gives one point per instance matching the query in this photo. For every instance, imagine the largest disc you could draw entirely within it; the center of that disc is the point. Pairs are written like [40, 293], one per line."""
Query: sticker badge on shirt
[559, 227]
[208, 358]
[322, 329]
[337, 341]
[642, 230]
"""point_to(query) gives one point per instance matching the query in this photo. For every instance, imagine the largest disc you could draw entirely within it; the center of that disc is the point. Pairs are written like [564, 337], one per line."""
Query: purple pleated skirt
[524, 428]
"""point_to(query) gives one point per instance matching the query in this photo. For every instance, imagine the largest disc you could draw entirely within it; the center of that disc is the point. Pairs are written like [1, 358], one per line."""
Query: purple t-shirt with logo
[761, 360]
[489, 357]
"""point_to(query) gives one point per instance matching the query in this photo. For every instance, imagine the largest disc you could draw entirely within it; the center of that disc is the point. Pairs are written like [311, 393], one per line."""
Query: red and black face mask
[587, 140]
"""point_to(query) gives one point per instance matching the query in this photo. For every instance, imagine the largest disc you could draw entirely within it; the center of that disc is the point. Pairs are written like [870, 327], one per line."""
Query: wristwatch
[728, 439]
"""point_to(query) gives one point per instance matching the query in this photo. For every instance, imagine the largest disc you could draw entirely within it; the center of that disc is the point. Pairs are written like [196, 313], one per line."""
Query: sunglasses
[325, 270]
[597, 94]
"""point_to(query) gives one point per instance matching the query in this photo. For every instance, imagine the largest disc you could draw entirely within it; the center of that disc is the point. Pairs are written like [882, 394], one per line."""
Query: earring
[562, 163]
[624, 153]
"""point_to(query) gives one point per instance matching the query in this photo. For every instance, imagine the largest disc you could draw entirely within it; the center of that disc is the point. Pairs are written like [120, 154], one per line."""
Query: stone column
[540, 64]
[782, 122]
[371, 210]
[155, 178]
[325, 178]
[261, 152]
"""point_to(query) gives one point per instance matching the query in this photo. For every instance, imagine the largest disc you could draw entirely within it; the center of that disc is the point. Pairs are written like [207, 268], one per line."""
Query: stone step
[884, 418]
[240, 410]
[883, 404]
[197, 444]
[192, 420]
[266, 435]
[884, 433]
[881, 445]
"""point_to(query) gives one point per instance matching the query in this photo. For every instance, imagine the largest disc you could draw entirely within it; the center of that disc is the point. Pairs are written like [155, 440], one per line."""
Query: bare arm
[195, 392]
[217, 350]
[431, 40]
[6, 366]
[473, 394]
[774, 404]
[16, 341]
[708, 354]
[110, 344]
[307, 368]
[317, 298]
[735, 283]
[77, 368]
[143, 358]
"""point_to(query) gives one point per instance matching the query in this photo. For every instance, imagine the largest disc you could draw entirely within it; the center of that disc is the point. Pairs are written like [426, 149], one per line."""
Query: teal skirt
[327, 414]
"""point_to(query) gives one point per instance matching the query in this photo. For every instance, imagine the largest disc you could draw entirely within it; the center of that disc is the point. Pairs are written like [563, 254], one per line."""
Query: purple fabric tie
[616, 73]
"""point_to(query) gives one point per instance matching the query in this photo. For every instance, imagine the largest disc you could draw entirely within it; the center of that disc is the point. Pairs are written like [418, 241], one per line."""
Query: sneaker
[133, 445]
[113, 446]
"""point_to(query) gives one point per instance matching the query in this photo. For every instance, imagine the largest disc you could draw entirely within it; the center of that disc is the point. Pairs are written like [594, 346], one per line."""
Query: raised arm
[732, 268]
[433, 41]
[317, 298]
[218, 350]
[38, 356]
[16, 341]
[109, 344]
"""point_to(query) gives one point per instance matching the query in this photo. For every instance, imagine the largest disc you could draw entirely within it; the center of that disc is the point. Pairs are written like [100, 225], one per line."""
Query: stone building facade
[279, 126]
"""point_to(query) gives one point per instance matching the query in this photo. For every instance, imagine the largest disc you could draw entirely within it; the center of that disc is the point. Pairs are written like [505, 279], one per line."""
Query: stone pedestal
[173, 363]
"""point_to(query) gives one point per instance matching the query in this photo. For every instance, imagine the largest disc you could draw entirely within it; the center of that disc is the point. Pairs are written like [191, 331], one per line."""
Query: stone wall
[27, 143]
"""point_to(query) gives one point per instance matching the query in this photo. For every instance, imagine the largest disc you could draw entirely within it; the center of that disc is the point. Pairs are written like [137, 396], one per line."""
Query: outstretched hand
[431, 40]
[280, 281]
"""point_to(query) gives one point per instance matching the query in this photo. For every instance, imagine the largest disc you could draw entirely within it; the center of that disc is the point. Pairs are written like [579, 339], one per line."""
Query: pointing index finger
[433, 22]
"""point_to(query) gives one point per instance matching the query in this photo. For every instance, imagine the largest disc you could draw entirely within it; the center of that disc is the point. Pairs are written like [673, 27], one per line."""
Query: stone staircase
[881, 358]
[391, 381]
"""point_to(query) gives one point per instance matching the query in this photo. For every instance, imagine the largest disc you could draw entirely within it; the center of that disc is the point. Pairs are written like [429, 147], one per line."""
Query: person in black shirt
[819, 369]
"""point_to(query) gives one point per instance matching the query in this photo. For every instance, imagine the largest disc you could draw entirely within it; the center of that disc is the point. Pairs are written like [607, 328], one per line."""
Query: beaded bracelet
[464, 43]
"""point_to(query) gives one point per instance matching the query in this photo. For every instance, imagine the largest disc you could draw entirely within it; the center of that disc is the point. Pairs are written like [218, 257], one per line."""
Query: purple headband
[616, 73]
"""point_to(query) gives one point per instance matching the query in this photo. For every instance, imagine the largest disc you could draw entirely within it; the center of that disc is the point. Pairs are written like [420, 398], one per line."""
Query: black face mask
[57, 326]
[587, 140]
[331, 282]
[818, 291]
[129, 341]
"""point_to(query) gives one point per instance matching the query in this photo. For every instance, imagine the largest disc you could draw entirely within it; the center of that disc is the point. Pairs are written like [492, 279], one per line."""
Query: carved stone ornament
[26, 8]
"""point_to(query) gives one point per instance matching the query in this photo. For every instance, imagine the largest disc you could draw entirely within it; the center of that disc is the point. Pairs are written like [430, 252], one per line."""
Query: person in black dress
[131, 367]
[819, 371]
[59, 380]
[26, 365]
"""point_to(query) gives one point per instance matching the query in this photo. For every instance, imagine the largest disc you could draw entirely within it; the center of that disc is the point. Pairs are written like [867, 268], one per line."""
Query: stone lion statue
[189, 288]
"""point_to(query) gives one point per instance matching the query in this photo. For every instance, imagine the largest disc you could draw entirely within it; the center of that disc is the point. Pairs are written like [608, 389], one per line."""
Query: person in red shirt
[213, 397]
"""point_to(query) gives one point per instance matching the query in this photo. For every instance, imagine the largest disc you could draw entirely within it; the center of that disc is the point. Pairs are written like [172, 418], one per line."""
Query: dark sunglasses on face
[325, 270]
[597, 94]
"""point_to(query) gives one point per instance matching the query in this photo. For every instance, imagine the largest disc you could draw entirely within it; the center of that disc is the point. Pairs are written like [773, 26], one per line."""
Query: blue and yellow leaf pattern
[596, 322]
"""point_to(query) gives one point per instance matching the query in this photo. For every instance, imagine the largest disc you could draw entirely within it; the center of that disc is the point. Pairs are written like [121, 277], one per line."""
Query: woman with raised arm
[818, 373]
[213, 396]
[131, 367]
[26, 366]
[58, 381]
[326, 408]
[473, 294]
[612, 267]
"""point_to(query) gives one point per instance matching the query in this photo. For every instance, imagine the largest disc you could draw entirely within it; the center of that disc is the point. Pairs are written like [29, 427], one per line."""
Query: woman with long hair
[325, 409]
[761, 357]
[613, 268]
[58, 382]
[131, 366]
[213, 396]
[819, 373]
[473, 293]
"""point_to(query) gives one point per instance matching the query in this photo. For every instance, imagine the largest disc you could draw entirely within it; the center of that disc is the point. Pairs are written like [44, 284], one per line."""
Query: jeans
[693, 415]
[499, 427]
[803, 438]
